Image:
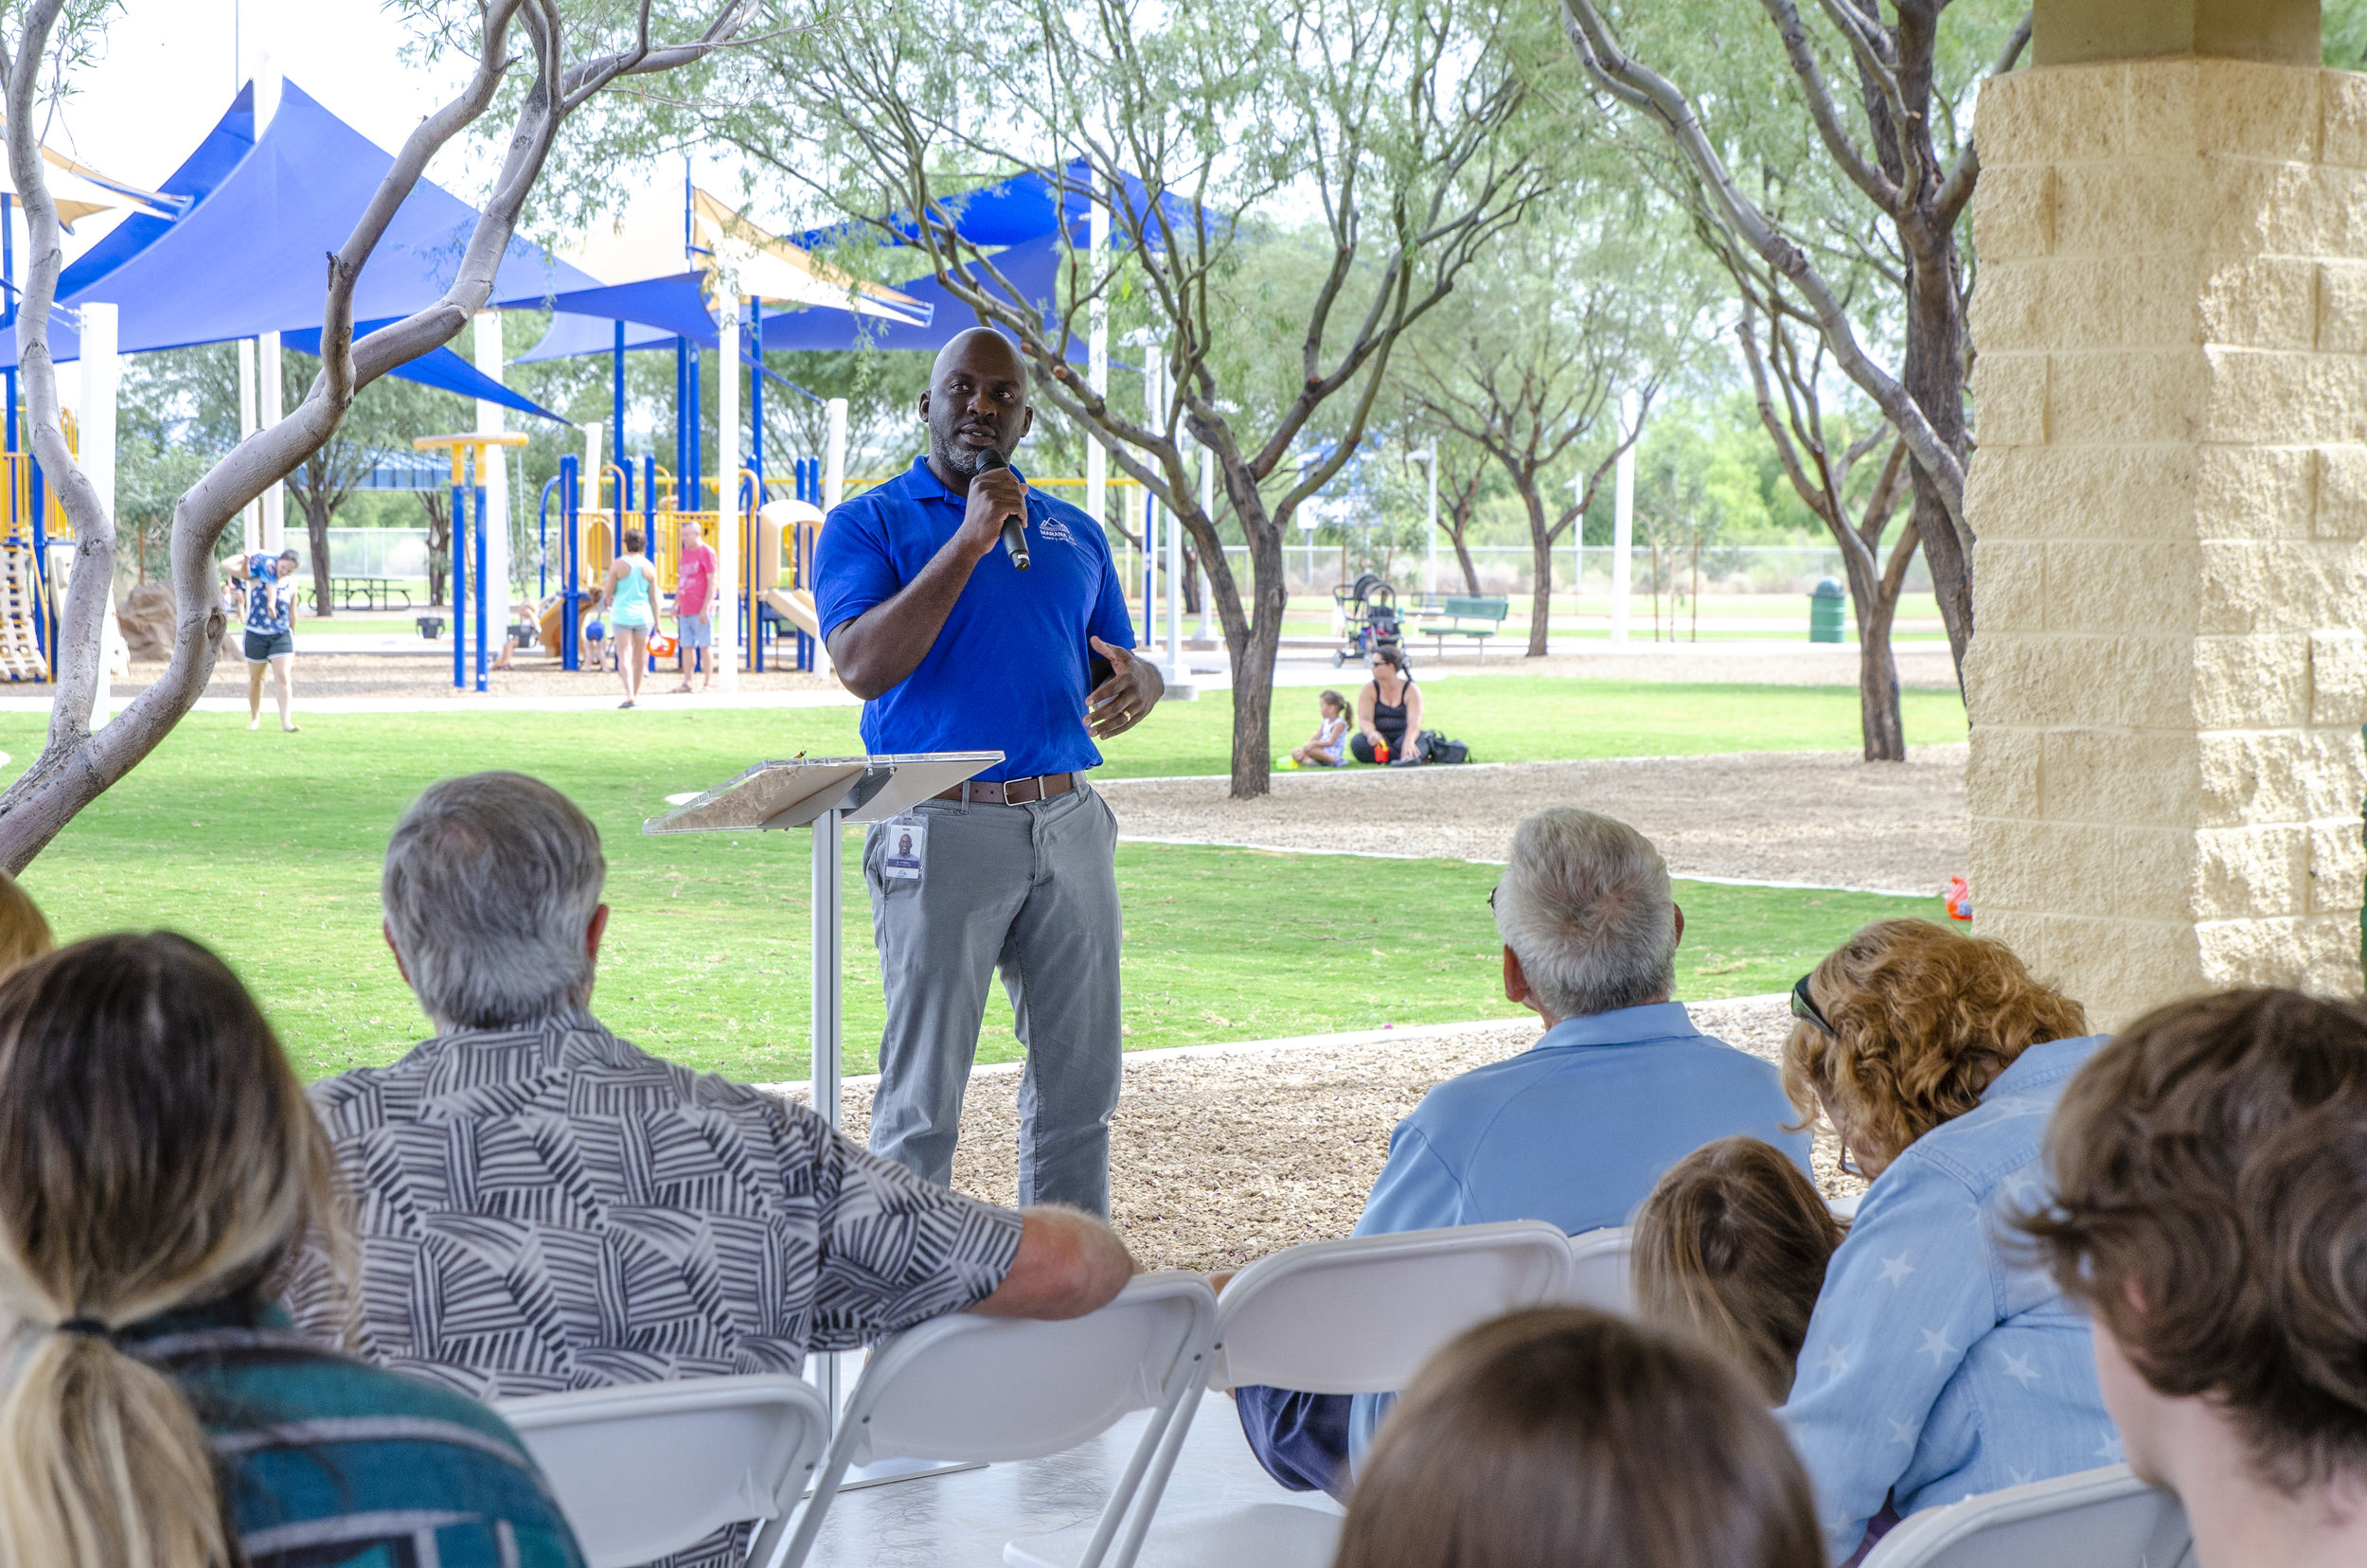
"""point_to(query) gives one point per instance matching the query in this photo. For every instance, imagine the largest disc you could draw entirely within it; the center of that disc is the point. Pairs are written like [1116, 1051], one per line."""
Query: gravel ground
[1821, 818]
[1221, 1156]
[335, 675]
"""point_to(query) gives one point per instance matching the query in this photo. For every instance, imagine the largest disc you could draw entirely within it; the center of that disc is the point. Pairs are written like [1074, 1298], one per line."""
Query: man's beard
[969, 461]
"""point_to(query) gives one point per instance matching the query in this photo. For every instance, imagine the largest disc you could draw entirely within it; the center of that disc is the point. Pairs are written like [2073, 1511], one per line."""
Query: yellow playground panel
[25, 606]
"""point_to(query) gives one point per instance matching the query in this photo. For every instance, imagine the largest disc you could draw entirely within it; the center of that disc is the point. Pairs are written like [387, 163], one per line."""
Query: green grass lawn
[268, 847]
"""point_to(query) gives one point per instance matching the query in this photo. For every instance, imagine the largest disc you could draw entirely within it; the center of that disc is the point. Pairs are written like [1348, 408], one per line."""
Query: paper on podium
[793, 794]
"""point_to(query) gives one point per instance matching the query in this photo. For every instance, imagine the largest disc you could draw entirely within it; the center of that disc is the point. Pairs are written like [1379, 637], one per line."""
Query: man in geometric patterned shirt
[540, 1206]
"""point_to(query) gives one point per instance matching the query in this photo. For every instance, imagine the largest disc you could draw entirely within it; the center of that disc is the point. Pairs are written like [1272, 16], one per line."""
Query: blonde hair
[24, 933]
[1923, 1021]
[156, 1152]
[1734, 1242]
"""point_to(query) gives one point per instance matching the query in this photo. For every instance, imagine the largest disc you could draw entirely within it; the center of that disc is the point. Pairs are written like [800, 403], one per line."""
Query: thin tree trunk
[1932, 374]
[1470, 573]
[1876, 603]
[1253, 665]
[1541, 564]
[316, 516]
[1697, 585]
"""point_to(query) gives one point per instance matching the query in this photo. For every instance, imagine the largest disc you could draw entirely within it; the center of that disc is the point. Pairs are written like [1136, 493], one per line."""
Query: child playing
[1323, 749]
[1733, 1244]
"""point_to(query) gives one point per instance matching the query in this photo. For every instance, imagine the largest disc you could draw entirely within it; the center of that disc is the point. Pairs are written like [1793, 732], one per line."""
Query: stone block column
[2169, 675]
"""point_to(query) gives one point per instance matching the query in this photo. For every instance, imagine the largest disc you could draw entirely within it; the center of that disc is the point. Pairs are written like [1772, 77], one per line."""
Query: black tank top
[1389, 718]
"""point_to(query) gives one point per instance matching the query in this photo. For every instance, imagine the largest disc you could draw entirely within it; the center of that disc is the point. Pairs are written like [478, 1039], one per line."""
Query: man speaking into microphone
[955, 644]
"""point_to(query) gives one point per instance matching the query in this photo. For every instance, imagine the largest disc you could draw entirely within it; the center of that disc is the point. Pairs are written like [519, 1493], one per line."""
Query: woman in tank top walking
[632, 595]
[1388, 710]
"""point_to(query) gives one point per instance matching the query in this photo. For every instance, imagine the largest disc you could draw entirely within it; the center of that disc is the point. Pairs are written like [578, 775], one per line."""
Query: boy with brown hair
[2209, 1211]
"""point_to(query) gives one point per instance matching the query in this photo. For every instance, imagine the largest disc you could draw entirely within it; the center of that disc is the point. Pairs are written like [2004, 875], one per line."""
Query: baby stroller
[1369, 608]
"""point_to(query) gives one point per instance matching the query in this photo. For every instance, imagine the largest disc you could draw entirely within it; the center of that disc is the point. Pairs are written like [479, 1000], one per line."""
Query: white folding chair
[643, 1470]
[1359, 1316]
[979, 1388]
[1599, 1273]
[2096, 1519]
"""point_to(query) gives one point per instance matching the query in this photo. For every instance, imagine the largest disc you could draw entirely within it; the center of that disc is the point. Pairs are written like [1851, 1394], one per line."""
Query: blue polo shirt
[1575, 1131]
[1011, 670]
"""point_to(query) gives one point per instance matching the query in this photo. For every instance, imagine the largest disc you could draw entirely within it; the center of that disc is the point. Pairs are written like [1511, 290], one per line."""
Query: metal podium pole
[823, 1054]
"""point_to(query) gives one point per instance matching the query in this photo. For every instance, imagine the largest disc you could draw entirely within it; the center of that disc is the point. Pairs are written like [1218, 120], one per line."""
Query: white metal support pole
[1153, 406]
[274, 500]
[834, 454]
[725, 619]
[823, 1037]
[253, 515]
[101, 374]
[1097, 360]
[493, 466]
[1174, 532]
[1623, 520]
[1430, 462]
[1208, 510]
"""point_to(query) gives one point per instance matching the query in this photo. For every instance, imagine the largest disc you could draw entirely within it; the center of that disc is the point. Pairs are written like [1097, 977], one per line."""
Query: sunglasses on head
[1804, 1008]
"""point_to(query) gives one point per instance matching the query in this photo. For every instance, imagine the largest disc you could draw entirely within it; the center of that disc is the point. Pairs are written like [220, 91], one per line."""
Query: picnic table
[369, 592]
[1476, 618]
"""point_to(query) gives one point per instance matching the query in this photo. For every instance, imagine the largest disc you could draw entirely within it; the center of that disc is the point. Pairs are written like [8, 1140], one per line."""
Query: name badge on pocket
[907, 854]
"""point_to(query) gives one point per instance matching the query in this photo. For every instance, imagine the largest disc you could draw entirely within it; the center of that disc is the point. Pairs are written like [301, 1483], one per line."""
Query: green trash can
[1825, 605]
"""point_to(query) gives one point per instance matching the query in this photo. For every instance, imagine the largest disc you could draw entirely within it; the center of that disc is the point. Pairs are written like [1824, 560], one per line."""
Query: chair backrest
[1479, 608]
[1599, 1265]
[644, 1469]
[1361, 1316]
[969, 1387]
[2096, 1519]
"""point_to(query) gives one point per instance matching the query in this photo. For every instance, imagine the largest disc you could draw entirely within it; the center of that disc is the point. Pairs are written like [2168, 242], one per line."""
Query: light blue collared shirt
[1574, 1130]
[1942, 1361]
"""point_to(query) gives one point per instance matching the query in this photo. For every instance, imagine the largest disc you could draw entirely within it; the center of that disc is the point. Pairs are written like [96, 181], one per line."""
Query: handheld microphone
[1015, 525]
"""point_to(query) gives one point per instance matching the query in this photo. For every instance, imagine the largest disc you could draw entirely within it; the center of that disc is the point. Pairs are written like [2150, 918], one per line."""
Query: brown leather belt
[1012, 791]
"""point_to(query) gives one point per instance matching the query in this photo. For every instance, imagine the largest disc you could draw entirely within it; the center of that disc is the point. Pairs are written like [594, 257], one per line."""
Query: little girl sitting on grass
[1322, 749]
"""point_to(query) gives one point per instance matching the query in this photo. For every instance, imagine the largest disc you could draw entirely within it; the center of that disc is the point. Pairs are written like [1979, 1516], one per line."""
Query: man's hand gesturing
[1126, 699]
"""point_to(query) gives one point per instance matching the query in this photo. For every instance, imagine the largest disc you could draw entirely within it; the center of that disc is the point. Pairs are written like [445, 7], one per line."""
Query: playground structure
[36, 559]
[776, 540]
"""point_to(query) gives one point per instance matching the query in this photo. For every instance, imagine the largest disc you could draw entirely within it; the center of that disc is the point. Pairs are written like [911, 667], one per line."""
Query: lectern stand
[825, 793]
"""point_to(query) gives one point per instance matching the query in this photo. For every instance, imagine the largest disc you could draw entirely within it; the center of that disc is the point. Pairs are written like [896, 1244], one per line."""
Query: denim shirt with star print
[1941, 1360]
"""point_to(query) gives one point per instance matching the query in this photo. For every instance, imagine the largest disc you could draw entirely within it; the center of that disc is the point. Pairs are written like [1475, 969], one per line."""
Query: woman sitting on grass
[1578, 1440]
[1388, 710]
[1733, 1243]
[1939, 1362]
[158, 1165]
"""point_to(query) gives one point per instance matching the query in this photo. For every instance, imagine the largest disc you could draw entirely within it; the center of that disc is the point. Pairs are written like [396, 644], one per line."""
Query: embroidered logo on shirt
[1055, 530]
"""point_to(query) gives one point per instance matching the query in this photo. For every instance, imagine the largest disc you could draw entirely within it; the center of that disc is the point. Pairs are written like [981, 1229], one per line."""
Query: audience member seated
[1575, 1129]
[24, 934]
[2210, 1212]
[1574, 1438]
[544, 1207]
[160, 1164]
[1939, 1362]
[1733, 1244]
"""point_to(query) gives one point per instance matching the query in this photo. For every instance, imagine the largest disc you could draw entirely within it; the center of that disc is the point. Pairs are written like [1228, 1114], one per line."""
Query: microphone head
[990, 458]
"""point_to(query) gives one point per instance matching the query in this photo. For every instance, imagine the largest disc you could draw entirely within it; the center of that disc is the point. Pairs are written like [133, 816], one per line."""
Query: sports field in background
[267, 846]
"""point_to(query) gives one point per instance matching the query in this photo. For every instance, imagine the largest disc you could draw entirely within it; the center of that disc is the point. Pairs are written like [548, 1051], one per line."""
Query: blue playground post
[649, 503]
[460, 575]
[543, 556]
[570, 524]
[484, 622]
[624, 496]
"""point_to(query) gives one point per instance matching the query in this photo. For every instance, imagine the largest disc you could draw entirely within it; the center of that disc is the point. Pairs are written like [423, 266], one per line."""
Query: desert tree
[1529, 360]
[1897, 132]
[572, 54]
[1291, 186]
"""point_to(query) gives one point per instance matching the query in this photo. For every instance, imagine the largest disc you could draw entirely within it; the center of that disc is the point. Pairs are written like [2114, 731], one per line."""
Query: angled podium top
[795, 793]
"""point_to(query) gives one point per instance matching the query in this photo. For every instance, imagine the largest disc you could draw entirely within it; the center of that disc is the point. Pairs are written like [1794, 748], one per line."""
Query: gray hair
[489, 886]
[1585, 906]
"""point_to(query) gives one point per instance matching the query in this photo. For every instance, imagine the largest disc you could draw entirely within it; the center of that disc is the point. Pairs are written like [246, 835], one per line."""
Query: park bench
[1476, 618]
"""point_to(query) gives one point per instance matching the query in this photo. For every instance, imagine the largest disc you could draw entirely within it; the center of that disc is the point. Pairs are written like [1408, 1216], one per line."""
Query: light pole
[1429, 461]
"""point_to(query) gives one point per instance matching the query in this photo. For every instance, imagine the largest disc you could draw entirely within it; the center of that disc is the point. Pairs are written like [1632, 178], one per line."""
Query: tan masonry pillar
[2170, 494]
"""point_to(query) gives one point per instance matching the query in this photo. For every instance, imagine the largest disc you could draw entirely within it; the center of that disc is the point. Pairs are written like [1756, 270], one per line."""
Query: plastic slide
[795, 606]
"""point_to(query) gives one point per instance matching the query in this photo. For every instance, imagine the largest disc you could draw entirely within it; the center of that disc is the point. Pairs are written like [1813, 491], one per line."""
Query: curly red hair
[1925, 1020]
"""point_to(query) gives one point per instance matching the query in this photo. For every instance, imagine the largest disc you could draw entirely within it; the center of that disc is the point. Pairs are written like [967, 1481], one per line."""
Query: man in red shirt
[694, 584]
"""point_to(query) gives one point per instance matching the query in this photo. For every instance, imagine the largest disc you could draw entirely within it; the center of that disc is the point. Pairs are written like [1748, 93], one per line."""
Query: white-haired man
[1575, 1129]
[542, 1206]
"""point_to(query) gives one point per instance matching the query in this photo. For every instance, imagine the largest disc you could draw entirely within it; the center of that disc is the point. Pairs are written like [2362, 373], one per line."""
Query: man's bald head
[976, 403]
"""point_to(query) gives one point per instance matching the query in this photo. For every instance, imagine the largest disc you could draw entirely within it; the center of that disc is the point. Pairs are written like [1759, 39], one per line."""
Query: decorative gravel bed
[1222, 1154]
[1821, 818]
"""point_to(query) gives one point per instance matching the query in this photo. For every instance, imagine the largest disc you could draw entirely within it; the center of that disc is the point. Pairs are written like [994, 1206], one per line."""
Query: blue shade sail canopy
[438, 368]
[1026, 206]
[247, 257]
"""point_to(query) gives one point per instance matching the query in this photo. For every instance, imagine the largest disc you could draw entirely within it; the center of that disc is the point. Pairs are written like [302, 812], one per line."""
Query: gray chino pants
[1031, 890]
